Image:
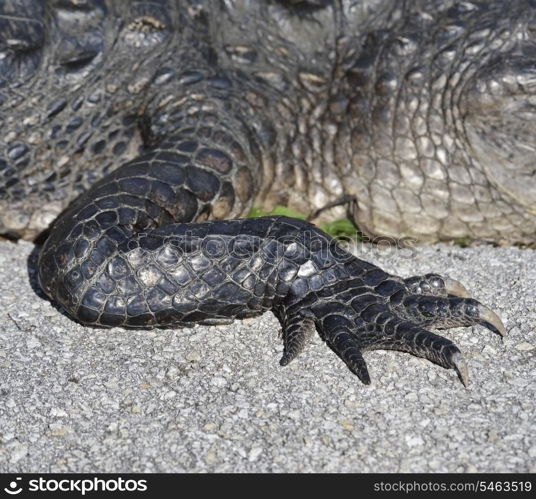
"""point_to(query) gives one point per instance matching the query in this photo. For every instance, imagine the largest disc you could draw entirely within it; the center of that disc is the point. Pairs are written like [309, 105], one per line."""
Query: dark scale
[149, 128]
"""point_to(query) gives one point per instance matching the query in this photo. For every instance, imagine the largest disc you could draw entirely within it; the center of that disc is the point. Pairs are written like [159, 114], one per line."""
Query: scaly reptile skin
[105, 273]
[135, 118]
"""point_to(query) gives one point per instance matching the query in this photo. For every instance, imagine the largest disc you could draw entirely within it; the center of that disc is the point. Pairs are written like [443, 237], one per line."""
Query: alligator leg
[185, 273]
[109, 263]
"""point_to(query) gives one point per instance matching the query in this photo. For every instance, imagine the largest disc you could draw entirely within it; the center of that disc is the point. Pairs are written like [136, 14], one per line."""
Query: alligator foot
[374, 312]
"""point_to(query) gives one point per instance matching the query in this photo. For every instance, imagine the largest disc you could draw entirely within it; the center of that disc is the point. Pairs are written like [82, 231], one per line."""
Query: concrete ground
[78, 399]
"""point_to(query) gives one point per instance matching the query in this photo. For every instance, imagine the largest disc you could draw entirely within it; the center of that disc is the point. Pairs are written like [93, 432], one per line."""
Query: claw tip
[364, 377]
[456, 288]
[492, 321]
[284, 361]
[461, 368]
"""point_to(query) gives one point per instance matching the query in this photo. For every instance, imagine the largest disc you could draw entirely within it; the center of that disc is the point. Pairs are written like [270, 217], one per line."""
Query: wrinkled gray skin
[422, 110]
[138, 117]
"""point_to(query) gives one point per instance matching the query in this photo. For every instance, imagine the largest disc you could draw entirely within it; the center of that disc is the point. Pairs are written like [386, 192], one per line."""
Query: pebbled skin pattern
[144, 125]
[420, 111]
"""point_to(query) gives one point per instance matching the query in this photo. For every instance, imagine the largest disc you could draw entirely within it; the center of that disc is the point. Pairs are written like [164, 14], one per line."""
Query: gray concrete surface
[79, 399]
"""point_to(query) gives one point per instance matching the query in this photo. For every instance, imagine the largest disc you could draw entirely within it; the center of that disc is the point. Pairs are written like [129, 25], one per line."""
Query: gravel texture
[79, 399]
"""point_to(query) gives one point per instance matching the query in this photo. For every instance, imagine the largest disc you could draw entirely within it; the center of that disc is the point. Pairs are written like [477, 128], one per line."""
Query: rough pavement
[79, 399]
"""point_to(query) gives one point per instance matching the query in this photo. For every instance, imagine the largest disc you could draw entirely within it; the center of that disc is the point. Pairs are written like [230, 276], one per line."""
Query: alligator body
[136, 128]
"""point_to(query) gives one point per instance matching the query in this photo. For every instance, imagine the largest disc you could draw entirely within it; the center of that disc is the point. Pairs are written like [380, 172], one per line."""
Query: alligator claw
[491, 320]
[455, 288]
[461, 368]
